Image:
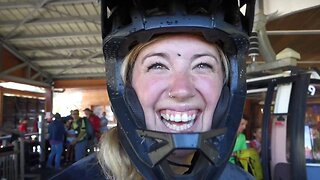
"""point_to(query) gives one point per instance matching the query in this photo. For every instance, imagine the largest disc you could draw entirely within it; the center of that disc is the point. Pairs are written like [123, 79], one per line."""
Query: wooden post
[1, 106]
[22, 162]
[48, 104]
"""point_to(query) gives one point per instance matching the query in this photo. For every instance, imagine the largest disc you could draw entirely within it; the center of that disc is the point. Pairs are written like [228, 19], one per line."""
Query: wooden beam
[85, 83]
[48, 101]
[22, 93]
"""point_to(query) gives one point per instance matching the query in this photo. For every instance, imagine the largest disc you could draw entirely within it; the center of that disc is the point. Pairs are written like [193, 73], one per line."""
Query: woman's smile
[178, 121]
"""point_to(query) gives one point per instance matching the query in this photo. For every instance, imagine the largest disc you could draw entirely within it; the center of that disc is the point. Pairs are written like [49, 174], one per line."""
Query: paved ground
[44, 173]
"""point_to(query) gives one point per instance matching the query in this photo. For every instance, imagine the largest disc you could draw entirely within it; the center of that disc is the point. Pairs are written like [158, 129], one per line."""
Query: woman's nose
[181, 86]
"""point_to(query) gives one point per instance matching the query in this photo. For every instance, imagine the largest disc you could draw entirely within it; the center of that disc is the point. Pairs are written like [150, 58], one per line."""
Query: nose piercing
[170, 95]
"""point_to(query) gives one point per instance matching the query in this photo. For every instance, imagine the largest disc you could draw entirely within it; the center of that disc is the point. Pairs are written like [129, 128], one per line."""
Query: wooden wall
[79, 98]
[25, 109]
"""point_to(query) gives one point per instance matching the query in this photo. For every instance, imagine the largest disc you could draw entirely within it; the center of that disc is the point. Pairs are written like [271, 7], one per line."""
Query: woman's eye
[157, 66]
[204, 66]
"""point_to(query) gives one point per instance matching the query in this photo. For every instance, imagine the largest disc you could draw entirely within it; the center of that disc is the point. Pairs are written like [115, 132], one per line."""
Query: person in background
[70, 141]
[104, 123]
[23, 125]
[80, 126]
[256, 142]
[241, 141]
[56, 132]
[66, 118]
[95, 122]
[248, 158]
[35, 126]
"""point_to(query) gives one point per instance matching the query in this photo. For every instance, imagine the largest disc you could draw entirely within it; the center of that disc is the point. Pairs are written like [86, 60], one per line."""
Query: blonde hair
[114, 161]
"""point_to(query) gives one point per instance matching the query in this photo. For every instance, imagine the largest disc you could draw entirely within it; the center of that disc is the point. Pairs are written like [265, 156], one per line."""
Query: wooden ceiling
[62, 39]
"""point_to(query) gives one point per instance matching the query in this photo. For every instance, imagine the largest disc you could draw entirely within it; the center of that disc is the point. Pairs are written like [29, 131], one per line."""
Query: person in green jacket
[241, 143]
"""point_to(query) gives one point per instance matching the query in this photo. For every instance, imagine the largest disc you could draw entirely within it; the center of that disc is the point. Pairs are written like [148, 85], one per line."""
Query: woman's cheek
[150, 89]
[209, 87]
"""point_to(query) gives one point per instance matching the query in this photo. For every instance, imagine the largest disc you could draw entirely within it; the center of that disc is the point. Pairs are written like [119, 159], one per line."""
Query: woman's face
[258, 134]
[243, 125]
[178, 81]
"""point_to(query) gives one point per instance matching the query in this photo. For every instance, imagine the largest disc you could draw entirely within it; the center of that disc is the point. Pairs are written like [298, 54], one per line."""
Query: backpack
[87, 126]
[249, 160]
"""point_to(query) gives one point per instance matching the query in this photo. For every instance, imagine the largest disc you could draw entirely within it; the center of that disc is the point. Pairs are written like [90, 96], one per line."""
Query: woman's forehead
[182, 43]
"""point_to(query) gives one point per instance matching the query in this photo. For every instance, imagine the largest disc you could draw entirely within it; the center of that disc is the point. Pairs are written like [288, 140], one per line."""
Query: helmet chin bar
[206, 162]
[165, 143]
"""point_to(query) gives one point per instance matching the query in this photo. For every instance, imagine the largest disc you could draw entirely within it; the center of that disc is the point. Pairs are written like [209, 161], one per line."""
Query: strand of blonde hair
[114, 160]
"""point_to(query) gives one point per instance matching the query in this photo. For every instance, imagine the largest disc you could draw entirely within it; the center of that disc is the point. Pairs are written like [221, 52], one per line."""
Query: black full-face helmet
[127, 23]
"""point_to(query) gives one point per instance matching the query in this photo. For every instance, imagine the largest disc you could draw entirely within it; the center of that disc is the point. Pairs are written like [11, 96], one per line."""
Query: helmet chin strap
[165, 143]
[161, 145]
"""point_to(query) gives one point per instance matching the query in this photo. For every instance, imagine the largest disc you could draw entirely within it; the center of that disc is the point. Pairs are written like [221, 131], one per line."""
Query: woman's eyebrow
[160, 54]
[204, 54]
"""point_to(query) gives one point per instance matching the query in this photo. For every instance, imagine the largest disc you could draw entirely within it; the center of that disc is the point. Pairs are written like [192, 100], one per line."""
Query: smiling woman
[178, 86]
[168, 68]
[178, 93]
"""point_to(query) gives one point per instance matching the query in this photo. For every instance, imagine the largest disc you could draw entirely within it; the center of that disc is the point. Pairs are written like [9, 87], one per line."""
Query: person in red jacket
[23, 125]
[95, 121]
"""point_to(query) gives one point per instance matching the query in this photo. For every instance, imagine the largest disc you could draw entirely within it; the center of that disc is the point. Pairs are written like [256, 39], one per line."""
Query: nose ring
[170, 95]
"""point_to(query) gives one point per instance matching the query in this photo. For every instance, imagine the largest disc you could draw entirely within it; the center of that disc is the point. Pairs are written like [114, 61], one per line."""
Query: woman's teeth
[184, 117]
[178, 127]
[179, 121]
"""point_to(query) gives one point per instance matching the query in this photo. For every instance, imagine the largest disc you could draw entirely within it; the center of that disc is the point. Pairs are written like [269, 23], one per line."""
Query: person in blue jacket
[176, 82]
[56, 132]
